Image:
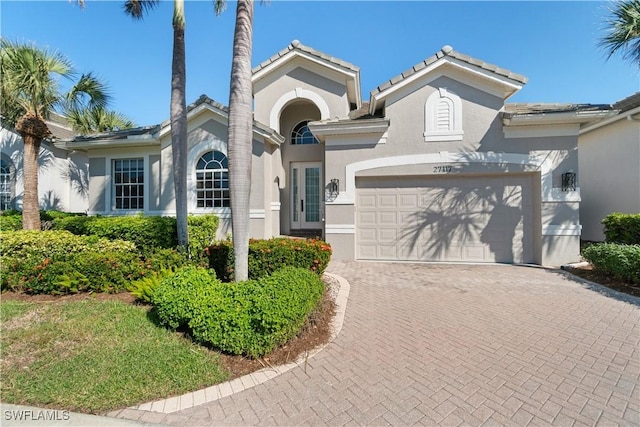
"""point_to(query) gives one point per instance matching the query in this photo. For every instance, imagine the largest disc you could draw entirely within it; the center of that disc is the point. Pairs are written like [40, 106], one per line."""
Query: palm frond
[137, 8]
[623, 31]
[88, 91]
[219, 6]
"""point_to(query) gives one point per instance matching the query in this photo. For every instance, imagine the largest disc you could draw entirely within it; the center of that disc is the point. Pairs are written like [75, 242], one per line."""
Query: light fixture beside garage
[334, 187]
[569, 181]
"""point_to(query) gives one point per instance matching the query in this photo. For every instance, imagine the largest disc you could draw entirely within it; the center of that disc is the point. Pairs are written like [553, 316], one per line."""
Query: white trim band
[562, 230]
[340, 229]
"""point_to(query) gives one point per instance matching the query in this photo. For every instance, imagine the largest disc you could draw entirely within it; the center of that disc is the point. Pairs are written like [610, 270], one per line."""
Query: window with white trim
[6, 184]
[128, 184]
[212, 181]
[443, 117]
[301, 134]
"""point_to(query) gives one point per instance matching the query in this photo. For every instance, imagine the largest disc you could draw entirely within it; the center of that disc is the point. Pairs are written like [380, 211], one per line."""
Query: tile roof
[447, 51]
[628, 103]
[150, 131]
[541, 108]
[296, 45]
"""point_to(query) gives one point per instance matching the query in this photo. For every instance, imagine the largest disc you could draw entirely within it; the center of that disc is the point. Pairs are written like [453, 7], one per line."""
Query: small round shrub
[174, 298]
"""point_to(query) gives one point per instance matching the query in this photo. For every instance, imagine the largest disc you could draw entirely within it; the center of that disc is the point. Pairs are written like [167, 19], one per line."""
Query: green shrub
[146, 232]
[267, 256]
[58, 262]
[202, 233]
[617, 260]
[89, 271]
[252, 318]
[622, 228]
[144, 287]
[51, 244]
[174, 298]
[11, 220]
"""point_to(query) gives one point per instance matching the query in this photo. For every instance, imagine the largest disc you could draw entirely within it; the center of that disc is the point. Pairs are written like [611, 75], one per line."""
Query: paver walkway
[455, 344]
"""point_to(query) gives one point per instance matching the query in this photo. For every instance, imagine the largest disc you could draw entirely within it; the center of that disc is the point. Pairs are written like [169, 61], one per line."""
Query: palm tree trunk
[30, 203]
[33, 130]
[179, 125]
[241, 136]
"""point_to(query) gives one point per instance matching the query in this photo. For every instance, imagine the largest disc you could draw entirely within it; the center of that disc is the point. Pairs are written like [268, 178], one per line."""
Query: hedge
[622, 228]
[59, 262]
[11, 220]
[268, 256]
[251, 318]
[148, 233]
[614, 259]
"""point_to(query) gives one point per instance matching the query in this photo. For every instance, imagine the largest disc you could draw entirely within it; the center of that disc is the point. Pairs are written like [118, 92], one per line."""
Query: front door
[306, 195]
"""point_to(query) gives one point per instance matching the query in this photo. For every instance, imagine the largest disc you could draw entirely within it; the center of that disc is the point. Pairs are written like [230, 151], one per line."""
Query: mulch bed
[588, 273]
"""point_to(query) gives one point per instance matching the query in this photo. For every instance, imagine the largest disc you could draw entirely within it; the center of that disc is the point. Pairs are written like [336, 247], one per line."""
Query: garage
[470, 218]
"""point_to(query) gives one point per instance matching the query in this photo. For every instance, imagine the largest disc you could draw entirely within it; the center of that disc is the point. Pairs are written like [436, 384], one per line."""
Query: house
[62, 174]
[435, 166]
[609, 165]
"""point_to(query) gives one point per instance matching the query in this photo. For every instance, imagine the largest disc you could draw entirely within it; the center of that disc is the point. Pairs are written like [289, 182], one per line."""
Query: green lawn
[94, 356]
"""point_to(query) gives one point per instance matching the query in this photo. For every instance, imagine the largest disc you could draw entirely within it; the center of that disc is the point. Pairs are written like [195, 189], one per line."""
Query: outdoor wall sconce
[569, 181]
[334, 186]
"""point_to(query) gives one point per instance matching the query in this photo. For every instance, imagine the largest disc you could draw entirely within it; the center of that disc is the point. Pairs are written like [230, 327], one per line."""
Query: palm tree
[30, 92]
[178, 108]
[623, 31]
[240, 136]
[98, 119]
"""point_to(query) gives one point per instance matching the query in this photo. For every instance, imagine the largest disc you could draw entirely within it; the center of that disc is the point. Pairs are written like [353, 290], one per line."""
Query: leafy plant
[250, 318]
[618, 260]
[622, 228]
[267, 256]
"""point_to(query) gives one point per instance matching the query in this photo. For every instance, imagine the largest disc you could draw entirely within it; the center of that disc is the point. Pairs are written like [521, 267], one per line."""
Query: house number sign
[442, 169]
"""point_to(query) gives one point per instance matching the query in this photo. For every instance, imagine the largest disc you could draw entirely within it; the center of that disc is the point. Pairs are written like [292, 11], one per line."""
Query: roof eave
[628, 115]
[349, 127]
[552, 118]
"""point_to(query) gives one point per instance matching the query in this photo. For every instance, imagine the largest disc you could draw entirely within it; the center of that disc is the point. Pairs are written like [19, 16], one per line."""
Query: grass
[53, 357]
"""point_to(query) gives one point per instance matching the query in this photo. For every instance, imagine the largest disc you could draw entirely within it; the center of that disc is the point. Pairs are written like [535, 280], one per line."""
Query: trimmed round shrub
[251, 318]
[617, 260]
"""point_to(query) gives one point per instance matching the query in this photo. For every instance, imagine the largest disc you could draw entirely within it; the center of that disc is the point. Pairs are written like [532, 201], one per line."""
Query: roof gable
[447, 61]
[296, 51]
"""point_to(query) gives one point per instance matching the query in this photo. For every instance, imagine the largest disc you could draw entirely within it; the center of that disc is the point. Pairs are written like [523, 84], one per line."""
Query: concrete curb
[213, 393]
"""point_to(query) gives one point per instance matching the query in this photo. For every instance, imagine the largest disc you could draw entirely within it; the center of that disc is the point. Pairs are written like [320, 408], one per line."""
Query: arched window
[302, 135]
[212, 181]
[443, 117]
[6, 184]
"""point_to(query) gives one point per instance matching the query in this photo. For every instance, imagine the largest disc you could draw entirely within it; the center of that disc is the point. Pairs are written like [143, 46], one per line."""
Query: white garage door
[436, 218]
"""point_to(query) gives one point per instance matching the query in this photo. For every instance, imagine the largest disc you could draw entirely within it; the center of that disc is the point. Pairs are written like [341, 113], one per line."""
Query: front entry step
[309, 234]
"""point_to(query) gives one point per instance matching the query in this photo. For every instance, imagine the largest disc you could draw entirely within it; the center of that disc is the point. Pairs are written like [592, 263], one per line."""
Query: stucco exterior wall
[609, 174]
[62, 175]
[288, 85]
[486, 150]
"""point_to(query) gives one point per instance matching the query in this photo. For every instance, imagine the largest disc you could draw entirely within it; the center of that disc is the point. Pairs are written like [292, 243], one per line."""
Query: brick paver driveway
[451, 344]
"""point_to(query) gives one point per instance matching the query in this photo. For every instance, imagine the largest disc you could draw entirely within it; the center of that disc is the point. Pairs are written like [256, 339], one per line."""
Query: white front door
[306, 195]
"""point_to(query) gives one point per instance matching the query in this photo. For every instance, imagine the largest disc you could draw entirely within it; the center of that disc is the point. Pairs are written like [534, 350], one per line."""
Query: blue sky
[554, 44]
